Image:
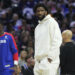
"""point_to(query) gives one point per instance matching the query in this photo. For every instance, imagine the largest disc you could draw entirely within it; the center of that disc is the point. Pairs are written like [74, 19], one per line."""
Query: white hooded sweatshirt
[47, 40]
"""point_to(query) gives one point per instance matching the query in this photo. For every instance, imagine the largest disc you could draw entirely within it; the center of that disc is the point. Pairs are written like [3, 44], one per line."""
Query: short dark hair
[40, 5]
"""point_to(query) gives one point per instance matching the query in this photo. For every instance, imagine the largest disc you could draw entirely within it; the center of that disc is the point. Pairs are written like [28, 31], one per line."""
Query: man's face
[41, 13]
[1, 27]
[64, 37]
[73, 30]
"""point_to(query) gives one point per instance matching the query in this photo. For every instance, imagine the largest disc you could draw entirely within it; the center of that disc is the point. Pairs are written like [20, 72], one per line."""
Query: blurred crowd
[19, 19]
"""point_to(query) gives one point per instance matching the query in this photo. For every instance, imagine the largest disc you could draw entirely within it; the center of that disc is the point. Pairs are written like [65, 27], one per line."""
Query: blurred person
[30, 51]
[30, 61]
[70, 13]
[9, 13]
[28, 68]
[23, 55]
[8, 52]
[64, 24]
[59, 16]
[47, 42]
[31, 38]
[4, 18]
[15, 6]
[25, 40]
[51, 6]
[72, 26]
[22, 4]
[30, 43]
[23, 25]
[67, 54]
[28, 14]
[25, 37]
[63, 27]
[27, 33]
[17, 22]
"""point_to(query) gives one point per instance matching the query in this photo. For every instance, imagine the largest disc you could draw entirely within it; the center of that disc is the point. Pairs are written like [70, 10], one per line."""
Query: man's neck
[68, 40]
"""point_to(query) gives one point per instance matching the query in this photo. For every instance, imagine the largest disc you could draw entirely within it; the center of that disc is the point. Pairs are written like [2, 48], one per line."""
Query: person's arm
[56, 40]
[14, 49]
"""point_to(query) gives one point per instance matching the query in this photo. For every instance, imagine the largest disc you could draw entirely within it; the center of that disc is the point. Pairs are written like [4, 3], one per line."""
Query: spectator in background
[69, 14]
[4, 18]
[58, 16]
[27, 69]
[64, 24]
[67, 54]
[23, 55]
[28, 14]
[9, 13]
[17, 22]
[30, 43]
[24, 24]
[24, 41]
[72, 26]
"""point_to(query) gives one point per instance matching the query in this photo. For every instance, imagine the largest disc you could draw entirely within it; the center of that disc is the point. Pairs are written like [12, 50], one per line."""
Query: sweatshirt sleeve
[56, 40]
[14, 49]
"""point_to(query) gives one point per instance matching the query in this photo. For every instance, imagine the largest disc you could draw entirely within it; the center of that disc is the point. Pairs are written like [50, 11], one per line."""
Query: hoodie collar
[47, 17]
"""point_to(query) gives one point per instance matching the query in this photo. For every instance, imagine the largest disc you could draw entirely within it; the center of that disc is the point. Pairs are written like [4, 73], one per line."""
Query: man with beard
[47, 42]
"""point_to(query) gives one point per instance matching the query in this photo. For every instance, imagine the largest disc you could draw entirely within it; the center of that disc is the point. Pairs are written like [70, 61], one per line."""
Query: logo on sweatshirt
[2, 41]
[7, 65]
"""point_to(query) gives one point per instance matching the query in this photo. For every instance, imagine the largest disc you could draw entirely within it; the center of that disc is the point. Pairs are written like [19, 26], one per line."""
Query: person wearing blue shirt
[8, 52]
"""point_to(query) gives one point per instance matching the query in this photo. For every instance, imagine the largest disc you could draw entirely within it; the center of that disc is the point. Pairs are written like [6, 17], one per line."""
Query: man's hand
[49, 60]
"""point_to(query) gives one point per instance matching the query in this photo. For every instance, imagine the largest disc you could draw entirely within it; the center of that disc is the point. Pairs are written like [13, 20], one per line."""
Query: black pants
[67, 74]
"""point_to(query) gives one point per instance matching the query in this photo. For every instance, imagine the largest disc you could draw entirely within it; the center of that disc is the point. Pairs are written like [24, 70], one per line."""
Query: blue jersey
[8, 51]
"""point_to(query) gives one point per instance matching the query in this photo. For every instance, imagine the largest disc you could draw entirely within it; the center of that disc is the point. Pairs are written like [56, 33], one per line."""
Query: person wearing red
[8, 52]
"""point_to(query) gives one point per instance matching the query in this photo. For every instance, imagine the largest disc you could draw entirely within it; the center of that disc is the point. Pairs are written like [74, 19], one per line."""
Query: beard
[41, 18]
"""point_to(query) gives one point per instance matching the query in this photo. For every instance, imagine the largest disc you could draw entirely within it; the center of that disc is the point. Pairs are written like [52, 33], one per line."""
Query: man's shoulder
[52, 20]
[69, 44]
[8, 34]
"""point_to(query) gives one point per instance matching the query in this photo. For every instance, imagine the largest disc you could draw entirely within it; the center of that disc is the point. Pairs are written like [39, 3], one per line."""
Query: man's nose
[40, 12]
